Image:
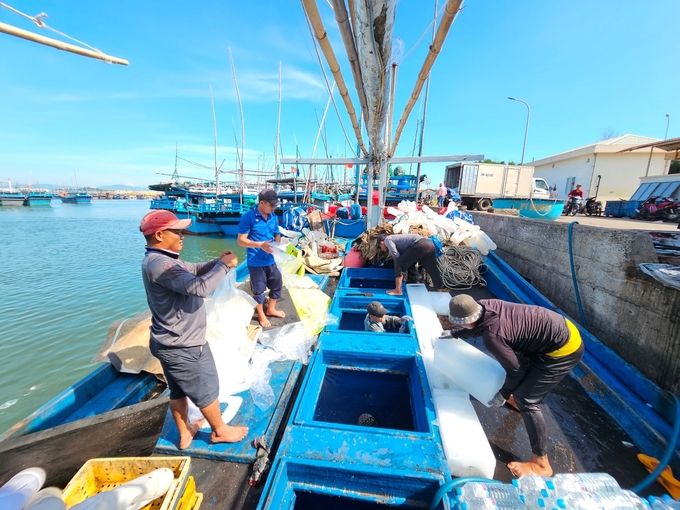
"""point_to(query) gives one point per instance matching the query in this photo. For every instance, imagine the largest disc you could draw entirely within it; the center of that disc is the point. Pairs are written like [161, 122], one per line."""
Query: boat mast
[278, 130]
[427, 93]
[217, 171]
[243, 126]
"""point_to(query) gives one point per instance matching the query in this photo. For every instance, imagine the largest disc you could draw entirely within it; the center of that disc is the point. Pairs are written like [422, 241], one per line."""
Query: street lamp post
[526, 130]
[668, 122]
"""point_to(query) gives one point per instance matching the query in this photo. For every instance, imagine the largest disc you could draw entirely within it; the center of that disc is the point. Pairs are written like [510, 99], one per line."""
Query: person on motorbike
[576, 192]
[574, 200]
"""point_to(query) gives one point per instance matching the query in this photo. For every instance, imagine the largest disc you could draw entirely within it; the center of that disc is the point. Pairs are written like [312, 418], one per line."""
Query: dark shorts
[189, 371]
[263, 278]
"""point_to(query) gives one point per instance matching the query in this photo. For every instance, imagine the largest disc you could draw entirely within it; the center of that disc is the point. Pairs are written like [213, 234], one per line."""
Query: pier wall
[630, 312]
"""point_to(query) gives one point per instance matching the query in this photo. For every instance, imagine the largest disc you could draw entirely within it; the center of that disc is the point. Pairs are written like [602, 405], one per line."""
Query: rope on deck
[461, 267]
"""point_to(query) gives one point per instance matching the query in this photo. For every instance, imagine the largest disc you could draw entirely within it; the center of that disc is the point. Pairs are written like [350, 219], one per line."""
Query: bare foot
[185, 440]
[229, 434]
[511, 402]
[276, 313]
[264, 322]
[394, 292]
[538, 466]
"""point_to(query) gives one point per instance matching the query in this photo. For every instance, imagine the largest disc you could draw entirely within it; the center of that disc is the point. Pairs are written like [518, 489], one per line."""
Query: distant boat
[76, 198]
[9, 196]
[38, 198]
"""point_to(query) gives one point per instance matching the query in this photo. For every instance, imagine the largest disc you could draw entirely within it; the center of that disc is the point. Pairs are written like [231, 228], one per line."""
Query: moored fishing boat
[76, 197]
[10, 196]
[38, 198]
[535, 208]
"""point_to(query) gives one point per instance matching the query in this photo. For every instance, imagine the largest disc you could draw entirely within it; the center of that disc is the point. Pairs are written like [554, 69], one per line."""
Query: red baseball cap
[156, 221]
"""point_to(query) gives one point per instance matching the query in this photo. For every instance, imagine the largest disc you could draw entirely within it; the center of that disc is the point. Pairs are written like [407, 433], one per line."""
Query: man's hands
[497, 400]
[264, 245]
[229, 258]
[405, 318]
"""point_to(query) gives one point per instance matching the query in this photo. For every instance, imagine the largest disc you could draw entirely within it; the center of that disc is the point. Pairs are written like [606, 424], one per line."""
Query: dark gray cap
[464, 310]
[269, 195]
[376, 309]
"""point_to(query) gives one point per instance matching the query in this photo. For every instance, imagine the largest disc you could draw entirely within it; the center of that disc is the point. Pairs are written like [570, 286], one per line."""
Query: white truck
[479, 184]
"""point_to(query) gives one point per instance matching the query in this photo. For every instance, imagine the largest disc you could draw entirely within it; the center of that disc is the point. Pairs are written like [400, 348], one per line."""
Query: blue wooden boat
[535, 208]
[10, 197]
[211, 215]
[38, 198]
[76, 198]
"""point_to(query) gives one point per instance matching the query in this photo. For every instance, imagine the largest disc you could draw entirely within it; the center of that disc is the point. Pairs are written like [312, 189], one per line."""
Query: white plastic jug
[131, 495]
[21, 488]
[47, 499]
[483, 243]
[477, 373]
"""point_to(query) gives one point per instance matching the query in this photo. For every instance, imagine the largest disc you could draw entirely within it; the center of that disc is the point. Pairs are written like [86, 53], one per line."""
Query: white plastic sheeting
[665, 273]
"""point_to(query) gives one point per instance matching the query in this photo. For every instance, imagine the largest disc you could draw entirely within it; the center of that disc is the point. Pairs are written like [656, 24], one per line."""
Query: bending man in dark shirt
[406, 250]
[548, 345]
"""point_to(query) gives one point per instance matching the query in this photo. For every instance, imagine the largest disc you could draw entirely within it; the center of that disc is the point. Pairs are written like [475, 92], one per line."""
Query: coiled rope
[461, 267]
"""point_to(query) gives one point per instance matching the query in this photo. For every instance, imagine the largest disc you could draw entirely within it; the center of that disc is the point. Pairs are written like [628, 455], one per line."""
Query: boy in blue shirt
[256, 230]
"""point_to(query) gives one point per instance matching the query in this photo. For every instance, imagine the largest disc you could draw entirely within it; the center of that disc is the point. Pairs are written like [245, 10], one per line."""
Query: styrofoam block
[466, 447]
[477, 373]
[440, 302]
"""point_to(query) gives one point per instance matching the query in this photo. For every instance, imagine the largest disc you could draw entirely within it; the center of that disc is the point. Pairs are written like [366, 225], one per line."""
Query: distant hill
[112, 187]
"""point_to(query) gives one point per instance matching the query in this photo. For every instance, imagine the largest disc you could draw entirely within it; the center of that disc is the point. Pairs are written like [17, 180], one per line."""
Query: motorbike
[592, 207]
[572, 207]
[659, 208]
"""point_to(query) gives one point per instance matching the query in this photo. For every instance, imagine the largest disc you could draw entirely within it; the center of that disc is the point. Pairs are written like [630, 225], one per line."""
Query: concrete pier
[630, 312]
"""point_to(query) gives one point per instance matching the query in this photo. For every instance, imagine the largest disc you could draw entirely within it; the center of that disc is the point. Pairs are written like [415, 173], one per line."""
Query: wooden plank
[128, 432]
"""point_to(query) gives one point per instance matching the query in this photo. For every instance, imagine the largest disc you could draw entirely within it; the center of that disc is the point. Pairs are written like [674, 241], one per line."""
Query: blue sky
[584, 67]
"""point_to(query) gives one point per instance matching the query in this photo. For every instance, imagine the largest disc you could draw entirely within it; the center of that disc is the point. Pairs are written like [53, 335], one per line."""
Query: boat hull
[38, 201]
[10, 202]
[537, 209]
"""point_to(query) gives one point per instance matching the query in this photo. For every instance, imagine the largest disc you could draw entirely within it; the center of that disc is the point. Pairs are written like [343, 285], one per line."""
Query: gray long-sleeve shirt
[175, 291]
[510, 328]
[397, 244]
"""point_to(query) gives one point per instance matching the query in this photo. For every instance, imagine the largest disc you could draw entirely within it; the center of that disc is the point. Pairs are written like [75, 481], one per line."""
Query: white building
[617, 173]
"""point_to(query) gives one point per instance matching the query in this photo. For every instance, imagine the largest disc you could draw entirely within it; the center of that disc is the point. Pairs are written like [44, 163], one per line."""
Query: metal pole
[526, 130]
[668, 122]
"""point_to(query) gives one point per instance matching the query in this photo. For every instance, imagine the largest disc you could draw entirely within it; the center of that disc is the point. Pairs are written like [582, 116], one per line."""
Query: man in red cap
[175, 291]
[256, 230]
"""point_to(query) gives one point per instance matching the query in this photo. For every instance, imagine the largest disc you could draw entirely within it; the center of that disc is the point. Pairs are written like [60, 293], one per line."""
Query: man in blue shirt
[256, 230]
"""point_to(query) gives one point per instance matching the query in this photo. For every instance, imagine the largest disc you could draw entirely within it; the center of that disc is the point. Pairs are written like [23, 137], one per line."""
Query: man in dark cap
[256, 231]
[175, 292]
[406, 250]
[549, 347]
[377, 318]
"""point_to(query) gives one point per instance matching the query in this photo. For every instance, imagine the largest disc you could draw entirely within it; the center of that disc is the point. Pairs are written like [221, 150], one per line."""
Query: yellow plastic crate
[101, 475]
[190, 500]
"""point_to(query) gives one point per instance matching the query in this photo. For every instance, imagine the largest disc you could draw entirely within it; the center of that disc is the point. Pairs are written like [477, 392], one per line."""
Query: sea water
[68, 272]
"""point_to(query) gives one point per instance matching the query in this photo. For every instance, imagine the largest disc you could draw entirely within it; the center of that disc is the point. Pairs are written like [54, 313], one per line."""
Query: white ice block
[438, 380]
[477, 373]
[425, 319]
[466, 447]
[440, 302]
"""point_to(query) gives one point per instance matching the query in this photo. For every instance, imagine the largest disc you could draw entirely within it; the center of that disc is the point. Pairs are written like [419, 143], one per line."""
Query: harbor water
[68, 272]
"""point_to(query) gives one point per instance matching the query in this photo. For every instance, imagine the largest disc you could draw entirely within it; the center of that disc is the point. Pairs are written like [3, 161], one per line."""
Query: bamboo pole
[30, 36]
[348, 38]
[314, 17]
[452, 8]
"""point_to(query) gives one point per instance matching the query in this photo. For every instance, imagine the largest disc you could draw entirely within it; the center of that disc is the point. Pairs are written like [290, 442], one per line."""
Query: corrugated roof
[672, 144]
[627, 139]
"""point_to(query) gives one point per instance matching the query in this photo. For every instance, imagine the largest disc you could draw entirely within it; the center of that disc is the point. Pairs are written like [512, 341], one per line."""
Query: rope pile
[461, 267]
